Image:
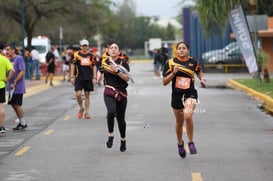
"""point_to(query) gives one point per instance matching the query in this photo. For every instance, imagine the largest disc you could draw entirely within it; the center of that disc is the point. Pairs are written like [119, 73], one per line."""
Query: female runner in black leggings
[115, 94]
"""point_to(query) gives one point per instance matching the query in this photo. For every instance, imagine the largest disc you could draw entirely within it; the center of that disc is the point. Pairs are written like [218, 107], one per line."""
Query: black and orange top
[183, 80]
[84, 63]
[110, 77]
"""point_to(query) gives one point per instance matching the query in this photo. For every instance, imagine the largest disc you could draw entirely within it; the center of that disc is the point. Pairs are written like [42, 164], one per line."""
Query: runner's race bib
[182, 82]
[85, 61]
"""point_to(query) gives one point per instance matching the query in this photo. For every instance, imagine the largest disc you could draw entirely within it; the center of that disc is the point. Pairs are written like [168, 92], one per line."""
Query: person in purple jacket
[17, 87]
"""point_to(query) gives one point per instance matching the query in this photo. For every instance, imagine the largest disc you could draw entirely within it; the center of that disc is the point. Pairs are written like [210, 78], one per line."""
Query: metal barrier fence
[225, 67]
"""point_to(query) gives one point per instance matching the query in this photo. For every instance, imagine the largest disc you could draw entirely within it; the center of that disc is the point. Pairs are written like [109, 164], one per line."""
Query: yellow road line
[67, 118]
[49, 132]
[196, 176]
[186, 147]
[22, 151]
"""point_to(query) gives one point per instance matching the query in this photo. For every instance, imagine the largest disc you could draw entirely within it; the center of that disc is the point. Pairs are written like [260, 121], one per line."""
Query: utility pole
[61, 38]
[22, 26]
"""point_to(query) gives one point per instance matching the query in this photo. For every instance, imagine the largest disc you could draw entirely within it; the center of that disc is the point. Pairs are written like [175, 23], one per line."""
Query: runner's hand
[72, 80]
[203, 82]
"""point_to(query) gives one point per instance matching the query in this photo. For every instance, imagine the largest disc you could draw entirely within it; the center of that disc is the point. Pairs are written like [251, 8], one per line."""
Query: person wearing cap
[17, 85]
[83, 76]
[5, 66]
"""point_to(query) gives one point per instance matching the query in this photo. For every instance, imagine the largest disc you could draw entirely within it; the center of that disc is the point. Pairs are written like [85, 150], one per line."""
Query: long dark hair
[182, 42]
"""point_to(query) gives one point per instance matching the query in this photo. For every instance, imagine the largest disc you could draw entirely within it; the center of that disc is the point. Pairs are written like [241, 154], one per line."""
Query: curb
[267, 101]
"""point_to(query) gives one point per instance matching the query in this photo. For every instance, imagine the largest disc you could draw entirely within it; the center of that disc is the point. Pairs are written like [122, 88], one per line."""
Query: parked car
[232, 56]
[207, 55]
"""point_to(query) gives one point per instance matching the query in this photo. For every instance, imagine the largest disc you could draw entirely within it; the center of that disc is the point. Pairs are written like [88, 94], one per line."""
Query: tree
[170, 32]
[213, 13]
[265, 7]
[80, 19]
[34, 11]
[46, 16]
[125, 16]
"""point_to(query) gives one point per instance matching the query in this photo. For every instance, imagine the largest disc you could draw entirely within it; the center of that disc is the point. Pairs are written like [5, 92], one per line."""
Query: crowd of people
[84, 69]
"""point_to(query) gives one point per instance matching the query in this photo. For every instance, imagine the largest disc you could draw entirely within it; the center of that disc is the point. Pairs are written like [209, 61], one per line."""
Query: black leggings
[116, 109]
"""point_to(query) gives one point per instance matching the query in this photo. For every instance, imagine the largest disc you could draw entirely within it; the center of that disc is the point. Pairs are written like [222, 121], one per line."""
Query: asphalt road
[233, 137]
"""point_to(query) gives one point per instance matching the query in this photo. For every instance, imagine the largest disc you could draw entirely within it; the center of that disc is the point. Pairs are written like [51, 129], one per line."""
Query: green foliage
[265, 7]
[213, 14]
[265, 88]
[262, 57]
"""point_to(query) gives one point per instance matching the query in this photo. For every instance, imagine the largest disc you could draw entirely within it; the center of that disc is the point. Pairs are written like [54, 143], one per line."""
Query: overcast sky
[165, 9]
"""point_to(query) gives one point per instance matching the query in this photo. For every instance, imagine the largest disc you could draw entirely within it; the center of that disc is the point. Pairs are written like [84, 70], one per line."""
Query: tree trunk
[266, 76]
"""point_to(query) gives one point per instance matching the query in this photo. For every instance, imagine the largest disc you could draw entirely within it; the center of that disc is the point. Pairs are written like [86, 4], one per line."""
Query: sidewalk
[36, 86]
[33, 83]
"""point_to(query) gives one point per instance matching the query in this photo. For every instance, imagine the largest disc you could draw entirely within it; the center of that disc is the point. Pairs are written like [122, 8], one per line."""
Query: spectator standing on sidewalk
[83, 76]
[50, 62]
[28, 64]
[115, 93]
[180, 71]
[164, 51]
[157, 63]
[5, 68]
[66, 64]
[35, 60]
[17, 87]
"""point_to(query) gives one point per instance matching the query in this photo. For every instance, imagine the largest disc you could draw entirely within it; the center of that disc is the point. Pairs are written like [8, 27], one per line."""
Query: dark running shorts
[3, 95]
[16, 99]
[86, 85]
[51, 68]
[178, 103]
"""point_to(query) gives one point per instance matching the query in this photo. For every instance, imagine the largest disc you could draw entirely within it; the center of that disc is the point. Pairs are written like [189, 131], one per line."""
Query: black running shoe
[20, 127]
[192, 148]
[182, 151]
[122, 146]
[109, 142]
